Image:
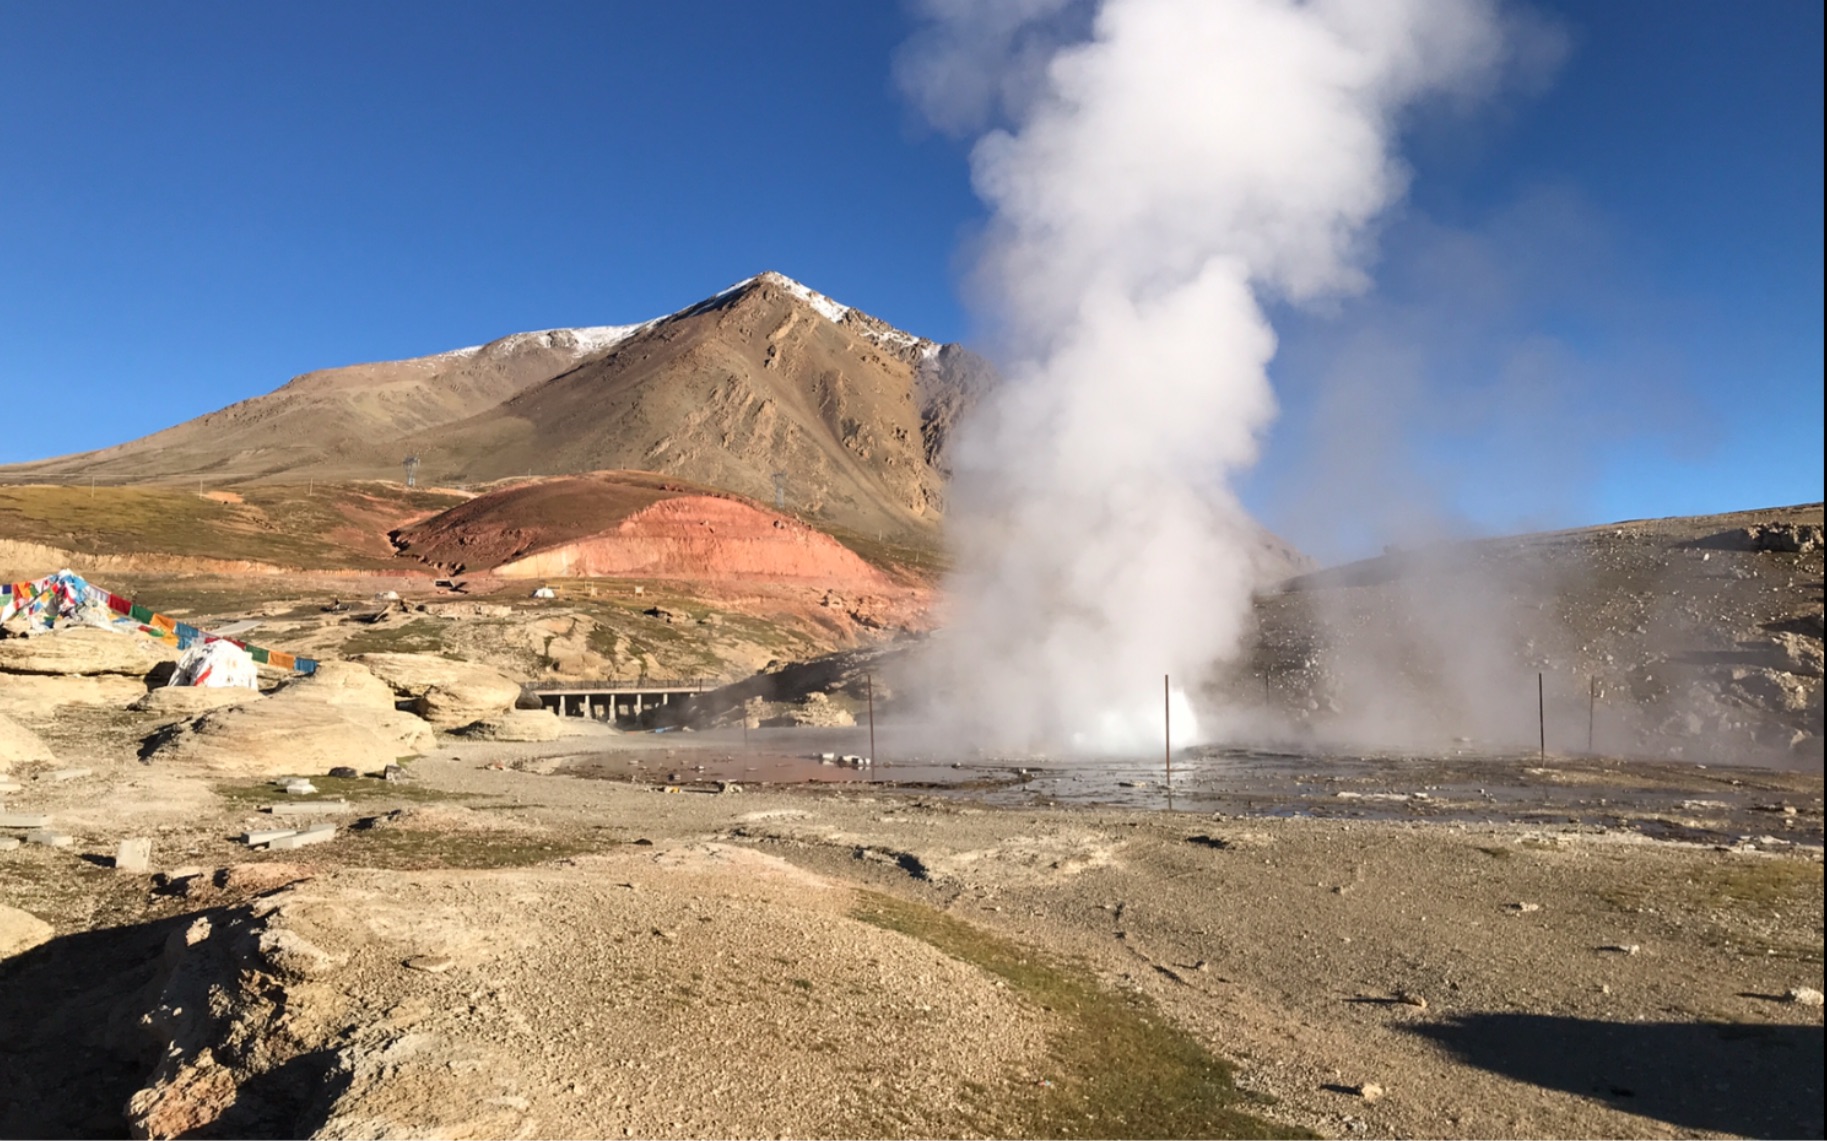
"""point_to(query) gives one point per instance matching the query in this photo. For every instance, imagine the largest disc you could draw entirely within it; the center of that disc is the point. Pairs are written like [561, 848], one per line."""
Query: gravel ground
[1481, 974]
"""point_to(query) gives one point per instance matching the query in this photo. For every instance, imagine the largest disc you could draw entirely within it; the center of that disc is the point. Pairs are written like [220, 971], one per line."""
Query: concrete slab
[8, 843]
[68, 774]
[25, 820]
[313, 835]
[133, 855]
[50, 839]
[255, 838]
[309, 808]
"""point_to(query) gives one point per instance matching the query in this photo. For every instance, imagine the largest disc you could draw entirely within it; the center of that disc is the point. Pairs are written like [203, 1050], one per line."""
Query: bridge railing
[700, 684]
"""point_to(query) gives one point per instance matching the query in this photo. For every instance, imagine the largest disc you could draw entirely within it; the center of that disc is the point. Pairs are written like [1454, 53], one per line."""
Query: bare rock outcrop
[341, 684]
[276, 737]
[819, 711]
[21, 746]
[34, 697]
[190, 700]
[20, 931]
[341, 715]
[83, 650]
[447, 693]
[522, 725]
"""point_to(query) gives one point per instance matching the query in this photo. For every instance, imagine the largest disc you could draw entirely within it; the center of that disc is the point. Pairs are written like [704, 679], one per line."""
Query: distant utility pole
[869, 688]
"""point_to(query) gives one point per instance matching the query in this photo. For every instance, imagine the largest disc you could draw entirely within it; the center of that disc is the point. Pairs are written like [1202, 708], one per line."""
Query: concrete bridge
[616, 701]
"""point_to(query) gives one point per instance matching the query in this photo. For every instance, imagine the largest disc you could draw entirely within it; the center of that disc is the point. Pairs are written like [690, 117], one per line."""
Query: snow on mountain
[583, 341]
[599, 338]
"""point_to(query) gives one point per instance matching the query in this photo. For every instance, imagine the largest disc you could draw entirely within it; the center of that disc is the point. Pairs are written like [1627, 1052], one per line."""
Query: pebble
[1410, 998]
[1524, 907]
[1369, 1091]
[1803, 996]
[344, 772]
[1621, 948]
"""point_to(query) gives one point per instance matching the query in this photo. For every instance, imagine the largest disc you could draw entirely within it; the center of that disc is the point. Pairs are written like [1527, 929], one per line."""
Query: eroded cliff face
[703, 538]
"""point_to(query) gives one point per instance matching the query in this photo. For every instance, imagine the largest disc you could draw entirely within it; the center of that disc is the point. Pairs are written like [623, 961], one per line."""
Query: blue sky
[1602, 299]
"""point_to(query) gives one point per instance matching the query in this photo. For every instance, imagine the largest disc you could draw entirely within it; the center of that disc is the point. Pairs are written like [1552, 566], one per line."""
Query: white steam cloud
[1166, 167]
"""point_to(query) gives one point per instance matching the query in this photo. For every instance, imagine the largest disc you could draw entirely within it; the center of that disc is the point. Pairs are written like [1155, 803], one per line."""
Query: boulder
[21, 746]
[20, 931]
[818, 711]
[278, 736]
[446, 693]
[523, 725]
[84, 650]
[190, 700]
[341, 683]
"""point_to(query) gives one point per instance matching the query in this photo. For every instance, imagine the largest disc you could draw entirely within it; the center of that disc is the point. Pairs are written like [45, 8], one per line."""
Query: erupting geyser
[1154, 182]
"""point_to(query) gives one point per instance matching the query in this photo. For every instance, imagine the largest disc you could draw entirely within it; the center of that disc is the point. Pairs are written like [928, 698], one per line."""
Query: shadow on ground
[72, 1051]
[1750, 1079]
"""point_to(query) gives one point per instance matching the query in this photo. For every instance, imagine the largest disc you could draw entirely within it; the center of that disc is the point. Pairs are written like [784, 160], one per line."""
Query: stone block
[8, 843]
[309, 808]
[257, 837]
[50, 839]
[315, 834]
[133, 856]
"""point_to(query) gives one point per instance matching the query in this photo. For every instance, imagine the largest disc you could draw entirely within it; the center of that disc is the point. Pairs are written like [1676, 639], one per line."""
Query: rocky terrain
[493, 921]
[1691, 637]
[485, 950]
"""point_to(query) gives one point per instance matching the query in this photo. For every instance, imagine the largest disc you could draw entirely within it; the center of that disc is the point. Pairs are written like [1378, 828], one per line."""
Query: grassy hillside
[309, 526]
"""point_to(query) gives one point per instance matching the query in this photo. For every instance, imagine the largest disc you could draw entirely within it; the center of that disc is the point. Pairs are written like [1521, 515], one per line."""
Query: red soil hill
[614, 524]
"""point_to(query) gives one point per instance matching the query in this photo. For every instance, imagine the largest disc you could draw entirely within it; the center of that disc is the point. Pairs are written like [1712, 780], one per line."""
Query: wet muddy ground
[1721, 805]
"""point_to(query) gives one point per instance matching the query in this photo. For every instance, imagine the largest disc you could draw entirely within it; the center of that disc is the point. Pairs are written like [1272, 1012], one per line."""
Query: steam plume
[1155, 183]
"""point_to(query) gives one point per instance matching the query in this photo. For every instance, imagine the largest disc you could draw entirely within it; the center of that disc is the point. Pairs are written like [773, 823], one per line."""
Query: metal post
[869, 690]
[1592, 709]
[1167, 730]
[1541, 714]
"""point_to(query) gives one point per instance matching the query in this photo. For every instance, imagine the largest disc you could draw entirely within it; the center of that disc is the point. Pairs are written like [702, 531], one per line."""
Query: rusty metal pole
[1541, 714]
[869, 690]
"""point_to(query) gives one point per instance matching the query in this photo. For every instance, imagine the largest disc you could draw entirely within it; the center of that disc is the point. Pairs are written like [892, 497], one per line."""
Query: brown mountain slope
[339, 423]
[766, 389]
[757, 381]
